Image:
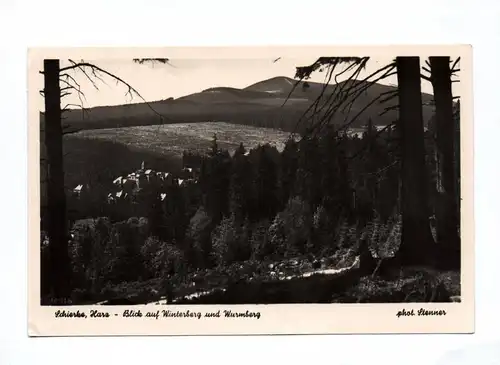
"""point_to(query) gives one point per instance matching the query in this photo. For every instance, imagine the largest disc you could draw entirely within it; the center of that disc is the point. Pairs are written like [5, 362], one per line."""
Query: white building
[118, 181]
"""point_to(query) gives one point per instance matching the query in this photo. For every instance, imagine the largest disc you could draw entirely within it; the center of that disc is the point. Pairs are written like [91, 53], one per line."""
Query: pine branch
[153, 60]
[304, 72]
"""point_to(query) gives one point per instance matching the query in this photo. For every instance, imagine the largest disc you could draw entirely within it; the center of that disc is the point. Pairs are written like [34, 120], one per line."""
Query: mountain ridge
[275, 102]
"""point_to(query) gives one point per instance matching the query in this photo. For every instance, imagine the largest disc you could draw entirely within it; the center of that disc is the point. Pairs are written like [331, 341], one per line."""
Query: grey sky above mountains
[186, 76]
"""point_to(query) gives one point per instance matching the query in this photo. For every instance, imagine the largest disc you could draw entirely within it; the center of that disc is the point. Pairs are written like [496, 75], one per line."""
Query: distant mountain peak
[220, 89]
[279, 98]
[273, 85]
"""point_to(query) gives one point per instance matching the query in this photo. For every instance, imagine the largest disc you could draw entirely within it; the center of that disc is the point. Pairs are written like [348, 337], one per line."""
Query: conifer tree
[198, 245]
[266, 182]
[157, 218]
[289, 166]
[217, 183]
[241, 185]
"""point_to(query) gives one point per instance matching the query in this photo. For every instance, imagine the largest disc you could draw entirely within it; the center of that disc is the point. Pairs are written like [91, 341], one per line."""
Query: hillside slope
[277, 102]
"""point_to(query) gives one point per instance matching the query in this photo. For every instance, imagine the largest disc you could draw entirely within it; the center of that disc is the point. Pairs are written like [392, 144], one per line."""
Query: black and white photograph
[319, 178]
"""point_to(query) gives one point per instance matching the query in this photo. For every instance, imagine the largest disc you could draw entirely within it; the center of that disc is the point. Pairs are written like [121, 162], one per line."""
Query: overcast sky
[185, 76]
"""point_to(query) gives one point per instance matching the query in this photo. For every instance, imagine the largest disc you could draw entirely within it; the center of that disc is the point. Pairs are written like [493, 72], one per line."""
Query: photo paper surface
[251, 190]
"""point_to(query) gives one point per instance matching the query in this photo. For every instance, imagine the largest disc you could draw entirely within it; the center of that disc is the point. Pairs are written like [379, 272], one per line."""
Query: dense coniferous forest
[317, 198]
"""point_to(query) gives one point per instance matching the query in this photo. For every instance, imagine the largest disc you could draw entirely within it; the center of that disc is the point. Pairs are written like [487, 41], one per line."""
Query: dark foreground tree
[417, 242]
[59, 267]
[447, 217]
[418, 245]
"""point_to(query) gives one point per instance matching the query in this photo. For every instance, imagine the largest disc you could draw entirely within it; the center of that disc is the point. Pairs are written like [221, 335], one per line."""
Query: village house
[129, 185]
[121, 195]
[134, 183]
[111, 198]
[168, 179]
[80, 190]
[141, 180]
[189, 182]
[190, 172]
[149, 175]
[187, 172]
[118, 181]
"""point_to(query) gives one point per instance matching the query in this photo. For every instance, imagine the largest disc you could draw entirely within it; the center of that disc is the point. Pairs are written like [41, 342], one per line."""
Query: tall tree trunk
[447, 217]
[457, 160]
[59, 270]
[417, 243]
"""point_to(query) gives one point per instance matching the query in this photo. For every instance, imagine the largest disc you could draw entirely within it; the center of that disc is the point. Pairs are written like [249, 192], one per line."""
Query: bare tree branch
[328, 78]
[337, 95]
[353, 76]
[130, 90]
[388, 109]
[353, 93]
[353, 119]
[80, 107]
[304, 72]
[87, 76]
[455, 63]
[77, 87]
[71, 87]
[392, 94]
[316, 102]
[426, 78]
[365, 87]
[291, 92]
[348, 68]
[66, 106]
